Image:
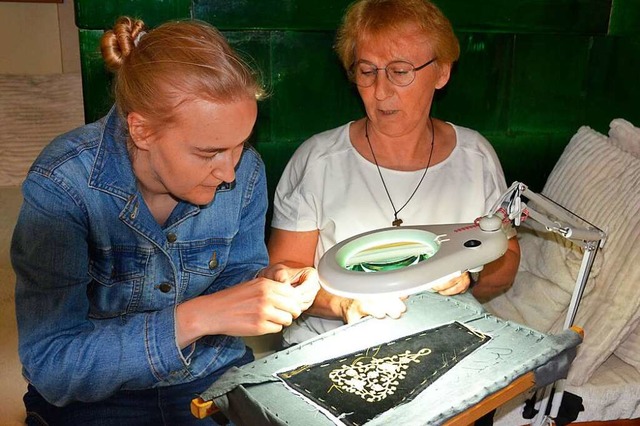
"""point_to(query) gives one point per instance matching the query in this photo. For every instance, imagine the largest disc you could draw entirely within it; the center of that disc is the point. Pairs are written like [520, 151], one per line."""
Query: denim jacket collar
[112, 171]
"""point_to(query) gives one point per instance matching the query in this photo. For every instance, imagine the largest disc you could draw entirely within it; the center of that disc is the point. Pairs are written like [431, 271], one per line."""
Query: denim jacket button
[213, 262]
[165, 287]
[171, 237]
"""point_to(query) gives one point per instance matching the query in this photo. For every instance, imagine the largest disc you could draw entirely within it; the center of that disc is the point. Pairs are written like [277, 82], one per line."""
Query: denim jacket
[98, 279]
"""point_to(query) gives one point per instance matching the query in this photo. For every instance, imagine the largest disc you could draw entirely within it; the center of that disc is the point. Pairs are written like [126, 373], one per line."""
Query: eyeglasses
[400, 73]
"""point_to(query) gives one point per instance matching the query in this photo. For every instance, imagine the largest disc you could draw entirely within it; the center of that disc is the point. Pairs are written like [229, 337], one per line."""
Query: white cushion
[629, 349]
[625, 136]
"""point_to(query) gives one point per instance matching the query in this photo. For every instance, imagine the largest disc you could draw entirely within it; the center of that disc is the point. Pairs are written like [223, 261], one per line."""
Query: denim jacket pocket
[205, 261]
[117, 280]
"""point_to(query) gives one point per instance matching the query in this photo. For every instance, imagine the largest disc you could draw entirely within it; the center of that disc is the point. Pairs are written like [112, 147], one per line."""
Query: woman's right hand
[256, 307]
[304, 279]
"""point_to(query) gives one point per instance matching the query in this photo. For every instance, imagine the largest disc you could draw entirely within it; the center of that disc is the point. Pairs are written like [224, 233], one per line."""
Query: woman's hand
[304, 280]
[456, 285]
[261, 306]
[381, 306]
[375, 306]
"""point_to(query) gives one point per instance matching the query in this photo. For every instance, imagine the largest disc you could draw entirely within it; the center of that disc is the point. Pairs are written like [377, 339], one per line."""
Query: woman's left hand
[375, 306]
[457, 285]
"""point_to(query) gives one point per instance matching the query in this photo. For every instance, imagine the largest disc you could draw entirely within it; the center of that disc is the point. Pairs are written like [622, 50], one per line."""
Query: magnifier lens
[389, 257]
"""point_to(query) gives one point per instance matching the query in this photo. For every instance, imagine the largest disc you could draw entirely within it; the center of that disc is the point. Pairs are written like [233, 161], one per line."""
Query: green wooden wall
[531, 71]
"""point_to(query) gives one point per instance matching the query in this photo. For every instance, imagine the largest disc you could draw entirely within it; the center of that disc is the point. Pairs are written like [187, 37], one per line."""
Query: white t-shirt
[327, 185]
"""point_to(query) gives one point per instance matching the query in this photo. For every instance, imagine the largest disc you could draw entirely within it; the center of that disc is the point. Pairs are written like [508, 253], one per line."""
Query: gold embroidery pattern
[376, 380]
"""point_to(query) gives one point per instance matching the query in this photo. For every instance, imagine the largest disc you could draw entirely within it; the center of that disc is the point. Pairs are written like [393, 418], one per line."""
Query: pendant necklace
[397, 221]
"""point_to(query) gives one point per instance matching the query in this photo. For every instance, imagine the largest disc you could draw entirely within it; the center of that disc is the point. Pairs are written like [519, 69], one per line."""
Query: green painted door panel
[271, 14]
[529, 157]
[522, 16]
[96, 80]
[308, 90]
[613, 86]
[510, 16]
[311, 92]
[625, 17]
[477, 93]
[549, 78]
[101, 14]
[255, 48]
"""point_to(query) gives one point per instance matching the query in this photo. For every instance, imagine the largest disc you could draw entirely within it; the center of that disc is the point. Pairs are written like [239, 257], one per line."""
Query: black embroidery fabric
[357, 387]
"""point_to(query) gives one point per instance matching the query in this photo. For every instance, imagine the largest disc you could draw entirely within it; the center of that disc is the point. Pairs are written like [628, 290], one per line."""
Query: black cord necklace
[397, 221]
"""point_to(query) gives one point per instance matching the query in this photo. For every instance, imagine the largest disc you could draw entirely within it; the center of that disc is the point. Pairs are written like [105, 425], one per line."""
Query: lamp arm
[555, 219]
[566, 230]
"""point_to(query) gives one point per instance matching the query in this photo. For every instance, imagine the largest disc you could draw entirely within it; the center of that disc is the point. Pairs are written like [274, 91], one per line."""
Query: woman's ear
[444, 70]
[138, 130]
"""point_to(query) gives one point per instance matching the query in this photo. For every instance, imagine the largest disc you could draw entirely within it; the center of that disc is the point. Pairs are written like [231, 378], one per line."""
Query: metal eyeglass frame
[374, 69]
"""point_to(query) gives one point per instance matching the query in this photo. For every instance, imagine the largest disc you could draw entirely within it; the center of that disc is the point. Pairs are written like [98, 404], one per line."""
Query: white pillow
[625, 136]
[600, 182]
[629, 349]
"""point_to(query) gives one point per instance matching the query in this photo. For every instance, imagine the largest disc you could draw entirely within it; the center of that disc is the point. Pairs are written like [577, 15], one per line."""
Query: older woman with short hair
[398, 165]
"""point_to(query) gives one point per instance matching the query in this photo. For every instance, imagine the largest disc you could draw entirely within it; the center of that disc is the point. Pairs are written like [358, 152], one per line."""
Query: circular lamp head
[379, 262]
[402, 261]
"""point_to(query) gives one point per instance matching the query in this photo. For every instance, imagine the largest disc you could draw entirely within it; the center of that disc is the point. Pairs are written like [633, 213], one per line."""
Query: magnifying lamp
[402, 261]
